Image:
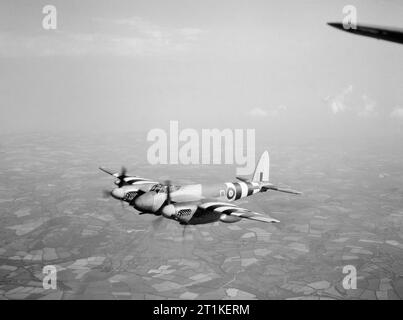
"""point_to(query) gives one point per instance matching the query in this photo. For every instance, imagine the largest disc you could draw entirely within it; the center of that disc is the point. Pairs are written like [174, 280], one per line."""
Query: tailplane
[262, 175]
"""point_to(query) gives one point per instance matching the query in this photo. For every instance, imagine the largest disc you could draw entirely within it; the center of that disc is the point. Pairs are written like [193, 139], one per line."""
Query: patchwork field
[52, 213]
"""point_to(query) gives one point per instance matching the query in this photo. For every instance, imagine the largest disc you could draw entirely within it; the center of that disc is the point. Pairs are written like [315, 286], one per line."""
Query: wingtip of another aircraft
[338, 25]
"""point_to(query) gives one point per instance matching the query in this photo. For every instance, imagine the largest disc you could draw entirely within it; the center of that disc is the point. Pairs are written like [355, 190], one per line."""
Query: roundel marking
[231, 193]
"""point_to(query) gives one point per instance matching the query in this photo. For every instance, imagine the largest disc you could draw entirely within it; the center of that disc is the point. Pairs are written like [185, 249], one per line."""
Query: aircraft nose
[118, 193]
[144, 202]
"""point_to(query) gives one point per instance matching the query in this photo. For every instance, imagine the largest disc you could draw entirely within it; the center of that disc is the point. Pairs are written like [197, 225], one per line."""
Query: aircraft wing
[384, 33]
[233, 210]
[115, 174]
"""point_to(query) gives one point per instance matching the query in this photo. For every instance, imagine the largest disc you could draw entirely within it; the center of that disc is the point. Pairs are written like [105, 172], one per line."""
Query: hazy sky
[135, 65]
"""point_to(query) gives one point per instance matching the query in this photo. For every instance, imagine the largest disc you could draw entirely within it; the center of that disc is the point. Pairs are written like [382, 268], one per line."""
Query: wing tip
[106, 171]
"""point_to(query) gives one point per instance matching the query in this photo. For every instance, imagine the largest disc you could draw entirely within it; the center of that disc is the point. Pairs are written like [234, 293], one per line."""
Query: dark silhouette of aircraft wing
[384, 33]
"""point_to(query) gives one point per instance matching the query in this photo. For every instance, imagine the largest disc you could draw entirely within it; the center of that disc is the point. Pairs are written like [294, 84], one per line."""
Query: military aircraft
[384, 33]
[196, 203]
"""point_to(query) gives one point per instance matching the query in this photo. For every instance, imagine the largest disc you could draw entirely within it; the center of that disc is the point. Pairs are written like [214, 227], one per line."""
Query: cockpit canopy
[159, 188]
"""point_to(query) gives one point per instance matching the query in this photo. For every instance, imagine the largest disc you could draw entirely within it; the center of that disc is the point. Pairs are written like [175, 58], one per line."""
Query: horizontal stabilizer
[275, 188]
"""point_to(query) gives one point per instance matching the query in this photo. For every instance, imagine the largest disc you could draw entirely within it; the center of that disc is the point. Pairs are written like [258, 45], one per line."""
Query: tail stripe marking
[244, 188]
[238, 190]
[250, 188]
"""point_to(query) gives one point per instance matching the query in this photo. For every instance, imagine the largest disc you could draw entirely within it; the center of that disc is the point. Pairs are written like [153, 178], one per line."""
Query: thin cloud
[272, 112]
[397, 113]
[337, 103]
[369, 107]
[257, 112]
[349, 102]
[192, 34]
[150, 29]
[141, 38]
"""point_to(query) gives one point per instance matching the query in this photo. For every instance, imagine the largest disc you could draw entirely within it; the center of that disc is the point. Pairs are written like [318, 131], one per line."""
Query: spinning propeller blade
[106, 194]
[168, 185]
[184, 231]
[122, 177]
[156, 223]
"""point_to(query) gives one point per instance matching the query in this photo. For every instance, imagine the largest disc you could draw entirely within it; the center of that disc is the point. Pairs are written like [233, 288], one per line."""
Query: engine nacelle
[229, 219]
[180, 211]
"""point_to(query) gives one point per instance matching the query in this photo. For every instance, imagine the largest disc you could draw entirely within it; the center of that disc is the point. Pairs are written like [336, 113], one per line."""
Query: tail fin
[262, 169]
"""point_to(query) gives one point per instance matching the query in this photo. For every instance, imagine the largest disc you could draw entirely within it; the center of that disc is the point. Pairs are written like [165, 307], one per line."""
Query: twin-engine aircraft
[196, 203]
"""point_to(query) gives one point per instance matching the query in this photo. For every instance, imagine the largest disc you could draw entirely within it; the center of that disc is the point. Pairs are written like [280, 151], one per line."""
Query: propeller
[167, 209]
[121, 177]
[156, 223]
[168, 185]
[184, 231]
[106, 194]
